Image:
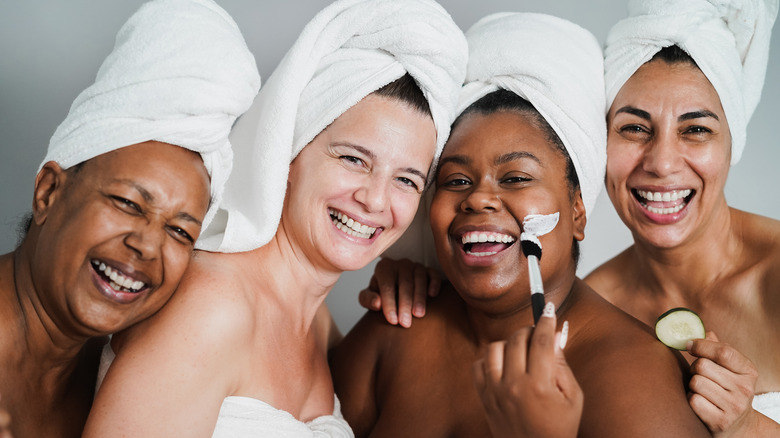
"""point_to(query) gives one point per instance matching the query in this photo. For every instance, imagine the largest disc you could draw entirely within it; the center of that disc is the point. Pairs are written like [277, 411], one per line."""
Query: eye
[515, 179]
[127, 205]
[180, 234]
[456, 182]
[408, 182]
[698, 130]
[352, 160]
[634, 132]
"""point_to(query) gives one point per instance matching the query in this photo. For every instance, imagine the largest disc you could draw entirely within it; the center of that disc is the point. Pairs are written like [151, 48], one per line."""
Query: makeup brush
[533, 252]
[535, 225]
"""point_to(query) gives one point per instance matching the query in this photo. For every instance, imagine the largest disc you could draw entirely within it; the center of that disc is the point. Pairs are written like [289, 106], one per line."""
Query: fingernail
[688, 345]
[393, 318]
[406, 320]
[549, 309]
[564, 335]
[419, 310]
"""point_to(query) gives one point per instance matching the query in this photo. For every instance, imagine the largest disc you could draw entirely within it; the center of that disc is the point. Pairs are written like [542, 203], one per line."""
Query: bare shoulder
[635, 386]
[760, 237]
[610, 279]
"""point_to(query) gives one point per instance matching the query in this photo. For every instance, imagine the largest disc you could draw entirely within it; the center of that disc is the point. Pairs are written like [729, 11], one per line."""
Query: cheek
[404, 208]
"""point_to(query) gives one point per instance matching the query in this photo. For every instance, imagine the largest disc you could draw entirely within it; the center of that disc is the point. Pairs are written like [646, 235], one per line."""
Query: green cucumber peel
[678, 326]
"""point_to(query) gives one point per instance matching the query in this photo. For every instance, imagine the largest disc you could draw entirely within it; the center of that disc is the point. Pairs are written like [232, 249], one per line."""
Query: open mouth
[483, 243]
[663, 203]
[350, 226]
[118, 281]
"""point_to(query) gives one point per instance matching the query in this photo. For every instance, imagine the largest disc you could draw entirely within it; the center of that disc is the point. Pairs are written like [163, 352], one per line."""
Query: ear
[578, 217]
[48, 187]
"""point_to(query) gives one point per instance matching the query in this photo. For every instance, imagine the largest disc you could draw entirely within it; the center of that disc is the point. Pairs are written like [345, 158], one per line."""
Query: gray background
[51, 50]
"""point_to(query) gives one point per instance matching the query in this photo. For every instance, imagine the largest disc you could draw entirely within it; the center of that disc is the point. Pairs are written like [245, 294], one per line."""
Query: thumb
[710, 335]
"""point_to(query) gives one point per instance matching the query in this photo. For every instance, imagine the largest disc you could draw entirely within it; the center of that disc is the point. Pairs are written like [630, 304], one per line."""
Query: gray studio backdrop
[51, 50]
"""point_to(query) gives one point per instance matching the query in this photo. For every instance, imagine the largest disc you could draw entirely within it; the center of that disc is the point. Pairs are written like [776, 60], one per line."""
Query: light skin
[496, 170]
[253, 324]
[137, 210]
[668, 132]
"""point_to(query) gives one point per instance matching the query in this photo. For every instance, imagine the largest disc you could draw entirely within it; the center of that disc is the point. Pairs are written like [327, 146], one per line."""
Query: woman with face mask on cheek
[683, 79]
[330, 163]
[118, 205]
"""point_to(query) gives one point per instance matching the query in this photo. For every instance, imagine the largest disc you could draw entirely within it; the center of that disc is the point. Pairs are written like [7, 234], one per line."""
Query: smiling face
[668, 154]
[115, 235]
[495, 170]
[355, 188]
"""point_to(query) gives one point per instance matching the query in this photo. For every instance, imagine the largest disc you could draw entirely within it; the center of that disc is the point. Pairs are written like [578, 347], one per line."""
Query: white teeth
[481, 254]
[351, 226]
[118, 281]
[668, 210]
[478, 237]
[665, 196]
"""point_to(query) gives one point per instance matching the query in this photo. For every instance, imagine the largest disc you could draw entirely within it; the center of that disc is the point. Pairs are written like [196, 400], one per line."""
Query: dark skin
[137, 209]
[496, 170]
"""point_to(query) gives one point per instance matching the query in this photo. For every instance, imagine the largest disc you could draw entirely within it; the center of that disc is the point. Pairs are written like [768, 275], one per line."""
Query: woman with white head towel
[330, 163]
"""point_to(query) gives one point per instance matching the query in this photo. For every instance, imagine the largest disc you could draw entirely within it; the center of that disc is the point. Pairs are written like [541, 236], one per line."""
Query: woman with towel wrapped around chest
[129, 178]
[330, 164]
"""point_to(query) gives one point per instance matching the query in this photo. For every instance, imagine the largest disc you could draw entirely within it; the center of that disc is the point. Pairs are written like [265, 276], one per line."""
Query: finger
[515, 354]
[705, 410]
[494, 363]
[565, 381]
[406, 286]
[721, 353]
[386, 276]
[434, 282]
[709, 390]
[420, 290]
[370, 300]
[541, 353]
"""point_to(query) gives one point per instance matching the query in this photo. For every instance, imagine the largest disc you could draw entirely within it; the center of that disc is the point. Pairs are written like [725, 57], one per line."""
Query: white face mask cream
[535, 225]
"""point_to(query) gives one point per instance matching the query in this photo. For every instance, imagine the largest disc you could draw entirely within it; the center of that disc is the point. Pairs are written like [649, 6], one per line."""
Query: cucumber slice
[678, 326]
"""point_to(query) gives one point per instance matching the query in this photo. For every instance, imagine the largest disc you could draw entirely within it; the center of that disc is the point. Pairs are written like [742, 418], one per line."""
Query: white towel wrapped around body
[728, 39]
[180, 73]
[555, 65]
[347, 51]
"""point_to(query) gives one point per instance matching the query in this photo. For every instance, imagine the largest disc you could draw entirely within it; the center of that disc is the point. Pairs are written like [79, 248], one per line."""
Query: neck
[44, 352]
[297, 283]
[489, 325]
[689, 268]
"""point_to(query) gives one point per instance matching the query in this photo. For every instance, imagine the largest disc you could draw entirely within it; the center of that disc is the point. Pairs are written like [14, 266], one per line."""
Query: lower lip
[479, 261]
[109, 292]
[663, 219]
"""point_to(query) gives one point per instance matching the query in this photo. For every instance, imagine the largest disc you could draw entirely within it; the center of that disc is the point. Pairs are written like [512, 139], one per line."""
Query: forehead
[497, 133]
[660, 86]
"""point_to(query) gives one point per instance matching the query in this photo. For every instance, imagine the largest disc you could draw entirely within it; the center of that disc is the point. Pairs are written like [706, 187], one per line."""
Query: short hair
[406, 90]
[674, 55]
[505, 100]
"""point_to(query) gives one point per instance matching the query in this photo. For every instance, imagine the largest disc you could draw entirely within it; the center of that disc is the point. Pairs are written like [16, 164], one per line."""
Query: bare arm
[172, 373]
[353, 364]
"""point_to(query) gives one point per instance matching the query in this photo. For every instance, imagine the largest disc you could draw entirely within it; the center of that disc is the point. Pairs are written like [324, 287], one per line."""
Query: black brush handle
[537, 305]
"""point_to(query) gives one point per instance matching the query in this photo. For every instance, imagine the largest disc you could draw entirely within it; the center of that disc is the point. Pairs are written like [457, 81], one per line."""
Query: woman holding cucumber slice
[675, 125]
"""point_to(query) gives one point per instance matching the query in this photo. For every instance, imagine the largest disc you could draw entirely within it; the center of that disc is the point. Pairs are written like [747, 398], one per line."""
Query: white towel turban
[348, 50]
[180, 73]
[728, 39]
[555, 65]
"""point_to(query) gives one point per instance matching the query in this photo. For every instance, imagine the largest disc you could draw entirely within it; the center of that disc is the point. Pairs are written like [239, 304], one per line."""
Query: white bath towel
[558, 67]
[728, 39]
[180, 73]
[768, 404]
[348, 50]
[555, 65]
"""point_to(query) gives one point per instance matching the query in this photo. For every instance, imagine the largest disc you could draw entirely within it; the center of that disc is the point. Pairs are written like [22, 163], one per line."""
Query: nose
[481, 199]
[146, 239]
[373, 193]
[663, 156]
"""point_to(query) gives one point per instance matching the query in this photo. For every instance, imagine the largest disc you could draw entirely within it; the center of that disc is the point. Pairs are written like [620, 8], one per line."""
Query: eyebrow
[687, 116]
[513, 156]
[371, 155]
[148, 197]
[697, 115]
